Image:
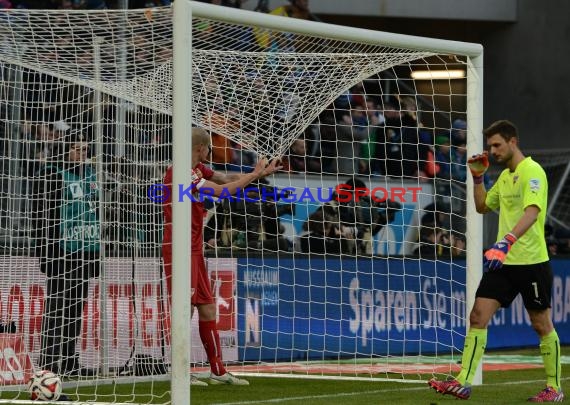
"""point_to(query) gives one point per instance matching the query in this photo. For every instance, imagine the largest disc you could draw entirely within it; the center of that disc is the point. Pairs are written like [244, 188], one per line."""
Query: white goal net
[349, 263]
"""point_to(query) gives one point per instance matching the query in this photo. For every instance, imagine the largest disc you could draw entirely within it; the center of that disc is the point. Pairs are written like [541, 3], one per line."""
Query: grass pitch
[499, 387]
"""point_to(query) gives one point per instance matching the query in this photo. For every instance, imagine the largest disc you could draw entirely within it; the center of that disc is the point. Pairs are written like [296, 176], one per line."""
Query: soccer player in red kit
[202, 297]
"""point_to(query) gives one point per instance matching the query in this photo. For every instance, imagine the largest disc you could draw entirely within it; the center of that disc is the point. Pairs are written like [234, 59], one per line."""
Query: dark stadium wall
[526, 63]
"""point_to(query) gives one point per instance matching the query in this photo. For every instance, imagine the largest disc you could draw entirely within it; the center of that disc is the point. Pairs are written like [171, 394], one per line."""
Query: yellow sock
[550, 352]
[473, 350]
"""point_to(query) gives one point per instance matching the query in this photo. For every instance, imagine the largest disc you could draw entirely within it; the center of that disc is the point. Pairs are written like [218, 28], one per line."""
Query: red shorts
[200, 283]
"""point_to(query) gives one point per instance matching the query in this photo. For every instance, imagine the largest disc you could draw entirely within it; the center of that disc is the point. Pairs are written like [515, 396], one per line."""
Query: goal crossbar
[332, 31]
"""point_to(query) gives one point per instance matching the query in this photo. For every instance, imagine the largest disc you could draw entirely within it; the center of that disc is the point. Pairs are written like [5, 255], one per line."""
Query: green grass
[504, 387]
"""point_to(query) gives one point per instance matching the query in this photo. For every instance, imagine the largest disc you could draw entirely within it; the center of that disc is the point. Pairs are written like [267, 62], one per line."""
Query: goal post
[182, 150]
[404, 43]
[134, 83]
[475, 221]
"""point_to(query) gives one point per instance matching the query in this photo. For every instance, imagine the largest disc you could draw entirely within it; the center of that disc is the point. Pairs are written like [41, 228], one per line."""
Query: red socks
[211, 341]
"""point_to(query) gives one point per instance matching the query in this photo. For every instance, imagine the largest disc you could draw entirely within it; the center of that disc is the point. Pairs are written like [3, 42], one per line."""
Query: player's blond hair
[200, 137]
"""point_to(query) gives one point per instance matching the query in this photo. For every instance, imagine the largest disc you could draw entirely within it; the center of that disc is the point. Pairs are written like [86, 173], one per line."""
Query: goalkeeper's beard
[503, 159]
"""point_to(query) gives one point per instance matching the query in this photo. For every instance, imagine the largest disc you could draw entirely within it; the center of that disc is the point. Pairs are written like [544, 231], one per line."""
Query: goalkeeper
[517, 264]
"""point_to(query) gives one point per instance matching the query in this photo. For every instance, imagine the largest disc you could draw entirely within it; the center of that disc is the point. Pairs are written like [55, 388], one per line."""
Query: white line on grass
[351, 394]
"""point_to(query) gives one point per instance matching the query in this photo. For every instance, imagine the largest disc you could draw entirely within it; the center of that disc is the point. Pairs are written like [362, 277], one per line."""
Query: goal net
[351, 262]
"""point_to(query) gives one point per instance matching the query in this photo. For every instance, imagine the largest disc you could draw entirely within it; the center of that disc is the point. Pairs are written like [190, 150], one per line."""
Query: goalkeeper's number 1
[535, 285]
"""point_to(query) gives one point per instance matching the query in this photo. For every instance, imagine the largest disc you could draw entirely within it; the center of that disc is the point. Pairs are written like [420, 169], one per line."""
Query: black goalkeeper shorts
[532, 281]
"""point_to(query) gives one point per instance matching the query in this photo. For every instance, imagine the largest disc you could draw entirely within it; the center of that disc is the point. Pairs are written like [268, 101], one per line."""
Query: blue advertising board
[314, 308]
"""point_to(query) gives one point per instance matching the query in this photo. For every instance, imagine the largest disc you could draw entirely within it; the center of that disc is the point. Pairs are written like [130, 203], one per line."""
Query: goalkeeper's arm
[480, 195]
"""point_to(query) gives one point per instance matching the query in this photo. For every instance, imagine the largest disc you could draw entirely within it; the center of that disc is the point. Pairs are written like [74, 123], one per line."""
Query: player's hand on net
[273, 167]
[260, 167]
[478, 165]
[495, 256]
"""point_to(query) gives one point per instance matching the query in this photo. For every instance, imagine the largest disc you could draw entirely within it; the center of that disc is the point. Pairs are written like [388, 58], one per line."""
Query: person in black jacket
[67, 241]
[323, 234]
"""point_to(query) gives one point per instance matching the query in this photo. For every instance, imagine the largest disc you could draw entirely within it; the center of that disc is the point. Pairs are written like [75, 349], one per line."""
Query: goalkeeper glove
[496, 255]
[478, 165]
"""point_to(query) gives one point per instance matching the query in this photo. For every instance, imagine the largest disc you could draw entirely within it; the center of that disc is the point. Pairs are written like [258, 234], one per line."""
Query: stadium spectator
[38, 147]
[438, 218]
[203, 299]
[253, 224]
[66, 231]
[374, 113]
[437, 243]
[458, 244]
[351, 129]
[295, 160]
[443, 156]
[312, 138]
[398, 151]
[298, 160]
[517, 263]
[328, 140]
[149, 3]
[284, 41]
[433, 243]
[262, 6]
[354, 223]
[365, 216]
[40, 140]
[459, 159]
[459, 132]
[357, 95]
[323, 234]
[375, 121]
[451, 158]
[296, 9]
[436, 215]
[352, 97]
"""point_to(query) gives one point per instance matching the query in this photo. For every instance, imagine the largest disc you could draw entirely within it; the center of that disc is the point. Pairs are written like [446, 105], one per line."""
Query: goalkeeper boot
[227, 378]
[452, 387]
[548, 394]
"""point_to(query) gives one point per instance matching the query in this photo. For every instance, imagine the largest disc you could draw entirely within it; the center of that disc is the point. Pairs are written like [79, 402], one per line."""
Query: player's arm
[480, 196]
[527, 220]
[496, 255]
[214, 189]
[224, 178]
[478, 165]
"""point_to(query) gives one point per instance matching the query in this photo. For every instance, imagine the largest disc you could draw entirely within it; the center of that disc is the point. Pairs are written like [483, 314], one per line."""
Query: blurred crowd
[357, 135]
[297, 8]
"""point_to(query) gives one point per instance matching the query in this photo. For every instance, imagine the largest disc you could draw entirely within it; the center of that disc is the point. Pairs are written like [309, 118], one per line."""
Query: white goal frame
[183, 12]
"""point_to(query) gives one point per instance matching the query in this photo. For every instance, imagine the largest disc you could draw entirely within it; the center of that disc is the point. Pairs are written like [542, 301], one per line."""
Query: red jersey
[198, 212]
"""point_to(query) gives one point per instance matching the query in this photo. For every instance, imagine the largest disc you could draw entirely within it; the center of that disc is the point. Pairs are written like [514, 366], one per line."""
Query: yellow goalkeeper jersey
[511, 194]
